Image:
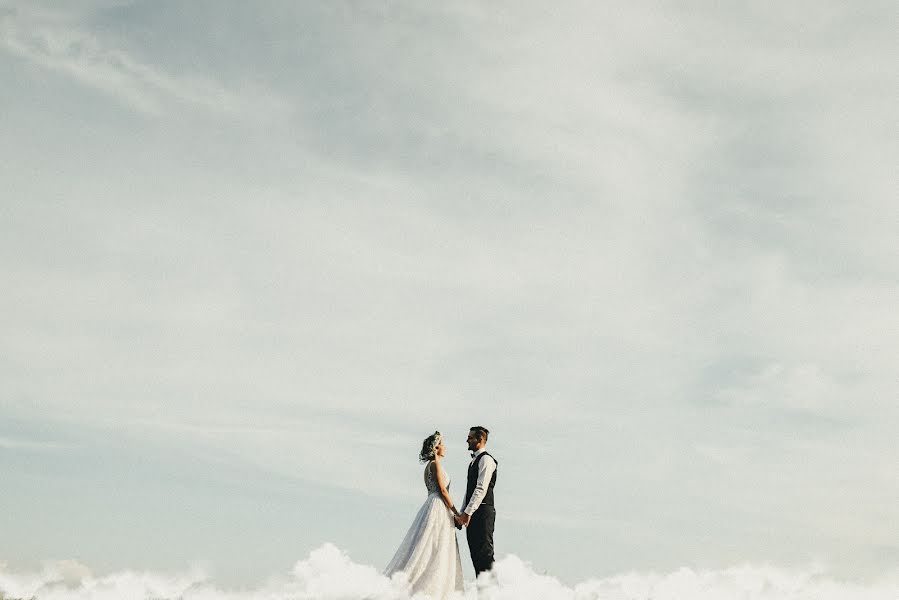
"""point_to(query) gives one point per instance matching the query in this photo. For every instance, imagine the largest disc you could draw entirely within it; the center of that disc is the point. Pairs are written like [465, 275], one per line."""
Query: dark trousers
[480, 538]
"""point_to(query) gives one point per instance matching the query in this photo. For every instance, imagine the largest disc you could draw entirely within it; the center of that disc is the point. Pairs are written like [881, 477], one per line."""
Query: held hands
[461, 520]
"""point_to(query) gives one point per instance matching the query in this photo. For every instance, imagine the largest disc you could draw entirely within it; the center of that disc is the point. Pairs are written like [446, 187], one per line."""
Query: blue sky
[253, 254]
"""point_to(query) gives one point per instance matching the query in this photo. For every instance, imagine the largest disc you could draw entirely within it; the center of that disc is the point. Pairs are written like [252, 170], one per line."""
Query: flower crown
[438, 439]
[429, 451]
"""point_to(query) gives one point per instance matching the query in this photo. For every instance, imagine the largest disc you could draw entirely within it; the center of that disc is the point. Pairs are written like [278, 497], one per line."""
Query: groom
[479, 515]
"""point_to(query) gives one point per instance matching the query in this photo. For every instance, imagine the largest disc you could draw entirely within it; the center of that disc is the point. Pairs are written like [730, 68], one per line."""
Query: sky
[253, 253]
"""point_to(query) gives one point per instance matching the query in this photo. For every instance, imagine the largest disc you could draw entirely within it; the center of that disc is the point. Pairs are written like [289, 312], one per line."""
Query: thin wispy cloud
[8, 443]
[56, 42]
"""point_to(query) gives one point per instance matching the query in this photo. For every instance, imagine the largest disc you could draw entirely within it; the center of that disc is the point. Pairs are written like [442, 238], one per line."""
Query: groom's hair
[481, 432]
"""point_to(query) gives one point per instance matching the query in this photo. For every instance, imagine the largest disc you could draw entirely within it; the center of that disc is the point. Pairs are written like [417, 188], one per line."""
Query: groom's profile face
[473, 441]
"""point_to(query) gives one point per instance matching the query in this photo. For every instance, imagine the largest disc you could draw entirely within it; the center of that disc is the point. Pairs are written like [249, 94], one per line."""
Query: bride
[429, 554]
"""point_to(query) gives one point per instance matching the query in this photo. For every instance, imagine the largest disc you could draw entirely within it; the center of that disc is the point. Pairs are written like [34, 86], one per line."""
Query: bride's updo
[429, 447]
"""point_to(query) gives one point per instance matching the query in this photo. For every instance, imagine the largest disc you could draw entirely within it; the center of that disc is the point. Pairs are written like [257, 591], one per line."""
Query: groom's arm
[485, 473]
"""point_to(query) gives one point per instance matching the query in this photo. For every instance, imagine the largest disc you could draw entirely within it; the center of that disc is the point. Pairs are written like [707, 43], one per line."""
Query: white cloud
[329, 574]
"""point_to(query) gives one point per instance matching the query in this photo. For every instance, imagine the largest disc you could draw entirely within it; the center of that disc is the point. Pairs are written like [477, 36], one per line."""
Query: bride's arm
[441, 483]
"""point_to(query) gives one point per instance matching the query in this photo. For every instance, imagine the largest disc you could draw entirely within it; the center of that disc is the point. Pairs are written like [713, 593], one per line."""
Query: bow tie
[473, 453]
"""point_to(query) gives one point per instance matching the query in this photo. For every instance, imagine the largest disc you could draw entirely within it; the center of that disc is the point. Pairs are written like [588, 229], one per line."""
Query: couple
[429, 554]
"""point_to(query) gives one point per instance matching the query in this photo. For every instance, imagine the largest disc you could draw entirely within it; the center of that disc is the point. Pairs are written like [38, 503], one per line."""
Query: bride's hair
[429, 447]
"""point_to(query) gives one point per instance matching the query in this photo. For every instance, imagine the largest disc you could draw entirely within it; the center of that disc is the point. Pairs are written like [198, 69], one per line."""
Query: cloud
[56, 42]
[20, 444]
[329, 574]
[654, 240]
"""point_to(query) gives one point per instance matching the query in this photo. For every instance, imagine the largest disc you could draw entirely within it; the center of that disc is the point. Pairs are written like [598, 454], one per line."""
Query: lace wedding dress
[429, 554]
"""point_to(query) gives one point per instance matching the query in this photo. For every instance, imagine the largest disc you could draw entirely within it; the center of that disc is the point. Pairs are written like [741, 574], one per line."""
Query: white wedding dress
[429, 554]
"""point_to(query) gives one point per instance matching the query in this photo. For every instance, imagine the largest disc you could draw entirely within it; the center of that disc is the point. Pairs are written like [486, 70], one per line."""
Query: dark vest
[473, 480]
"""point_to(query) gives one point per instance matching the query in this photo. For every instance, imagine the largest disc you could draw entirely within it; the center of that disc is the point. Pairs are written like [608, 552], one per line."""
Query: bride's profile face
[440, 450]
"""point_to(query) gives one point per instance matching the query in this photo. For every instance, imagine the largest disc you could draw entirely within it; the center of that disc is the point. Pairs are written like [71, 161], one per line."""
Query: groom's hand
[463, 519]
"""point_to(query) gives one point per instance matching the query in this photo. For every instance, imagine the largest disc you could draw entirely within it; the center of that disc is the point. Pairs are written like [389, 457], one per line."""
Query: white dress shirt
[486, 468]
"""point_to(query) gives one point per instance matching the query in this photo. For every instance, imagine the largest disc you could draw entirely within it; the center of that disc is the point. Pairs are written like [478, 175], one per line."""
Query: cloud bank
[329, 574]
